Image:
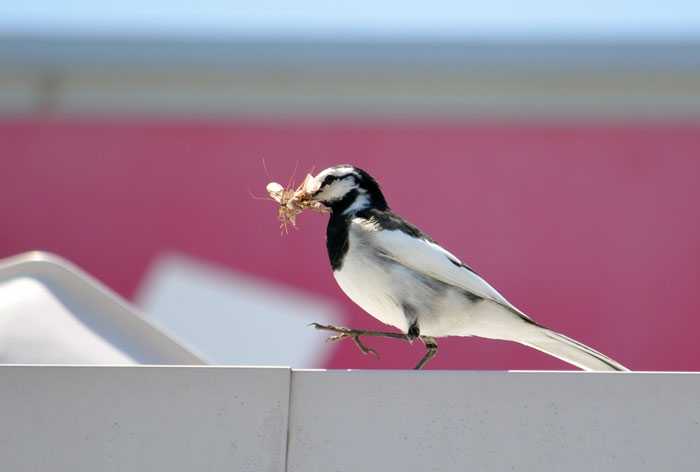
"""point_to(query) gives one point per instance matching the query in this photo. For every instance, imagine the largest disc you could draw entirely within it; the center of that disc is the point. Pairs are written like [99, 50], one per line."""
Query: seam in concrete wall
[289, 421]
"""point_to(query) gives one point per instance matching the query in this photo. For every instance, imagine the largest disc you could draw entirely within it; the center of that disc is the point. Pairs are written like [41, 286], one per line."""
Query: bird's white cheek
[335, 191]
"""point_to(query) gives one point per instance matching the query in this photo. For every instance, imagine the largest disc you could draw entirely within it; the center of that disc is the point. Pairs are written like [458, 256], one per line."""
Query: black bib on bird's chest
[338, 229]
[337, 241]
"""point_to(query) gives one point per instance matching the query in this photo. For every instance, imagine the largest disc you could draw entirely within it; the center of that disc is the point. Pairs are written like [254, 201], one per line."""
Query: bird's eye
[328, 180]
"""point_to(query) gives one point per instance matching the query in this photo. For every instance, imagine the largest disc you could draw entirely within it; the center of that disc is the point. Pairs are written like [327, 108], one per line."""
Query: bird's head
[346, 189]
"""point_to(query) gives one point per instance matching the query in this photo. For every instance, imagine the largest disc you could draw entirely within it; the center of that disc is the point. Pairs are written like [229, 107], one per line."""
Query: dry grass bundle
[293, 201]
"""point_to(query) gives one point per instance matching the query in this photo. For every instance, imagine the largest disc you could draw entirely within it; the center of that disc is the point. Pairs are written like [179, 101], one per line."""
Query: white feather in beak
[311, 185]
[294, 201]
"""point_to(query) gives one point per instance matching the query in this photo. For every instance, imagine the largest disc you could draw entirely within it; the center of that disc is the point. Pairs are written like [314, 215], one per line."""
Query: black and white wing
[429, 258]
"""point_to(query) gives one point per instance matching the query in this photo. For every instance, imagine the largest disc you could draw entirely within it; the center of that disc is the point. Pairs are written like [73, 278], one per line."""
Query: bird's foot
[347, 333]
[354, 334]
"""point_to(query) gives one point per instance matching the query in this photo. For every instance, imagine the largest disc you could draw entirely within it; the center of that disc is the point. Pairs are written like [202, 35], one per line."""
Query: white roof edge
[558, 54]
[75, 281]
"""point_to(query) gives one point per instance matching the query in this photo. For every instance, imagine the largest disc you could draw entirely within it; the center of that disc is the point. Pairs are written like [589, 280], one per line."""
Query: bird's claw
[329, 328]
[337, 337]
[364, 349]
[344, 333]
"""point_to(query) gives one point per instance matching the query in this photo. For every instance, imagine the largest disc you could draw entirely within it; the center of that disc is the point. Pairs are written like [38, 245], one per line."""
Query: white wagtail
[403, 278]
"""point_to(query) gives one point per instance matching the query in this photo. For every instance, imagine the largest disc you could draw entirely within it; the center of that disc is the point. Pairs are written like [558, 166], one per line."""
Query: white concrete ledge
[62, 418]
[143, 419]
[536, 421]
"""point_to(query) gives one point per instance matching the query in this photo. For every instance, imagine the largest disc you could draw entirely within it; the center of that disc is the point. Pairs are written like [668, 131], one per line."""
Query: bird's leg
[413, 332]
[354, 334]
[430, 343]
[432, 347]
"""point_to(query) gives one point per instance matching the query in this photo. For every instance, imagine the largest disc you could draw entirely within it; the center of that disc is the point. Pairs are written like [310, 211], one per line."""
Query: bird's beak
[306, 193]
[310, 188]
[310, 185]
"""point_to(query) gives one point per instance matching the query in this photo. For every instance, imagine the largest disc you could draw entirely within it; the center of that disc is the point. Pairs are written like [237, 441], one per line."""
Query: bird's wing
[429, 258]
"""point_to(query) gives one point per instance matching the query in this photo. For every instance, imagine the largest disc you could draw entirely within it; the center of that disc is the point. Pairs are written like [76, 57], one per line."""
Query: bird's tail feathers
[571, 351]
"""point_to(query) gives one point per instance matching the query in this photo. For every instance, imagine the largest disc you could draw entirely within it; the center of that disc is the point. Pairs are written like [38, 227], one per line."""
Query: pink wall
[593, 230]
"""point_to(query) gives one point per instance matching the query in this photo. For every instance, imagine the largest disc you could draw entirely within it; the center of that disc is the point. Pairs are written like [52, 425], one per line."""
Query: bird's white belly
[369, 285]
[380, 291]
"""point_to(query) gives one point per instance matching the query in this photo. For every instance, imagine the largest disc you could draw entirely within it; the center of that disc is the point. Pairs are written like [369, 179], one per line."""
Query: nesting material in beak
[294, 201]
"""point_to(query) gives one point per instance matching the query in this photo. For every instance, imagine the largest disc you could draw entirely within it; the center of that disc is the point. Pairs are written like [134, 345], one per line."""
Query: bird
[405, 279]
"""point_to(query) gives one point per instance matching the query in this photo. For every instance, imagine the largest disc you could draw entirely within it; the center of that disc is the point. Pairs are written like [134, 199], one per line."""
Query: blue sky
[357, 18]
